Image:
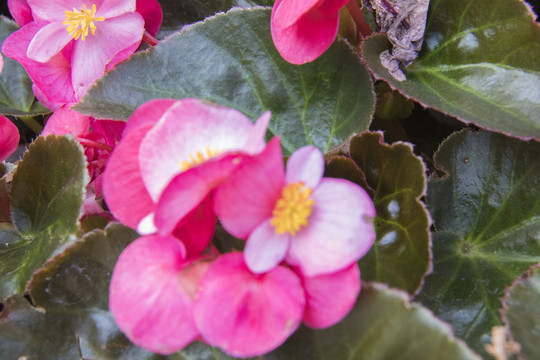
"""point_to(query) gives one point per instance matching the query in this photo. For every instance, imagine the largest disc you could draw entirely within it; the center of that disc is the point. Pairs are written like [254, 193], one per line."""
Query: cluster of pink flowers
[183, 163]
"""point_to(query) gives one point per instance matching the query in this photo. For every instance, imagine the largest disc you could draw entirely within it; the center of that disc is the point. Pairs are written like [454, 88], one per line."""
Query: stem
[32, 123]
[95, 144]
[358, 17]
[149, 39]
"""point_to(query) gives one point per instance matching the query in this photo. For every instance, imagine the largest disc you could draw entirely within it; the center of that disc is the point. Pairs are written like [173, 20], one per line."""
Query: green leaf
[176, 13]
[16, 96]
[70, 319]
[486, 211]
[230, 59]
[521, 313]
[401, 255]
[479, 63]
[382, 325]
[47, 193]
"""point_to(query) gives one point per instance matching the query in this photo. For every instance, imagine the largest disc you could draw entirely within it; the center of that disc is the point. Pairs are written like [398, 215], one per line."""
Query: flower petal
[20, 11]
[189, 127]
[9, 137]
[123, 187]
[147, 300]
[247, 314]
[54, 10]
[48, 42]
[248, 197]
[148, 113]
[65, 121]
[287, 12]
[265, 249]
[111, 8]
[152, 14]
[255, 142]
[188, 189]
[305, 165]
[339, 230]
[306, 39]
[92, 55]
[329, 298]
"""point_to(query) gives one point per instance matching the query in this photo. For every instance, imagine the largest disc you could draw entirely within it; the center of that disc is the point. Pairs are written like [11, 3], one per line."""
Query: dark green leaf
[16, 96]
[382, 325]
[521, 312]
[230, 59]
[479, 63]
[177, 13]
[70, 319]
[487, 216]
[401, 255]
[47, 193]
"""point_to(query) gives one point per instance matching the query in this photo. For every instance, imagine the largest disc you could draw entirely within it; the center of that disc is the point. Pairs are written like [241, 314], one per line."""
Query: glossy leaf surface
[486, 213]
[250, 76]
[479, 63]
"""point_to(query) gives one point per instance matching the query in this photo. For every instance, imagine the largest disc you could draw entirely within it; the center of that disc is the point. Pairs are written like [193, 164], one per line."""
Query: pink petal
[54, 10]
[65, 121]
[308, 38]
[48, 42]
[9, 137]
[305, 165]
[152, 14]
[255, 142]
[339, 230]
[123, 188]
[52, 80]
[331, 6]
[148, 113]
[248, 197]
[147, 300]
[247, 314]
[122, 55]
[287, 12]
[20, 11]
[265, 249]
[329, 298]
[188, 189]
[197, 229]
[92, 55]
[112, 8]
[188, 127]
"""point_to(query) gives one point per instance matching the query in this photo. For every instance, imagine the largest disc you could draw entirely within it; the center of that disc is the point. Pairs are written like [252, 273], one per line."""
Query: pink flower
[319, 225]
[304, 30]
[151, 294]
[70, 44]
[247, 314]
[9, 138]
[171, 157]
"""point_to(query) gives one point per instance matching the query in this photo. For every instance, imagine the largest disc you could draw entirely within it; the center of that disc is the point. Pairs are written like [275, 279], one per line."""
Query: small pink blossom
[320, 225]
[9, 138]
[304, 30]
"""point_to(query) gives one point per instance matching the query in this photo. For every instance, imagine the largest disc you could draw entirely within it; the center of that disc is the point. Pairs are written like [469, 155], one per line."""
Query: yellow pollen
[199, 158]
[292, 209]
[79, 21]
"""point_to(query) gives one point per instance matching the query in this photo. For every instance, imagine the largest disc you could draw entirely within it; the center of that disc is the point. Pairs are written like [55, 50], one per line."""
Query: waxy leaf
[522, 314]
[230, 59]
[70, 319]
[47, 193]
[401, 254]
[479, 63]
[486, 213]
[382, 325]
[16, 96]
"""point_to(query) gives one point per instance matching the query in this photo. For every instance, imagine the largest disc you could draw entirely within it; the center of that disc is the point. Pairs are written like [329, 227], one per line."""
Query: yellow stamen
[199, 158]
[78, 22]
[292, 209]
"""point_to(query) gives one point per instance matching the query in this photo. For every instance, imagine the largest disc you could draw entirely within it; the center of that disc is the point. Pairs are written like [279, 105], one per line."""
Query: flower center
[199, 158]
[292, 209]
[79, 21]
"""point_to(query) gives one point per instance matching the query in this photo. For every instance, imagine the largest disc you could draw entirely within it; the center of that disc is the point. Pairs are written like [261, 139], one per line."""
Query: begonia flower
[166, 145]
[20, 11]
[304, 30]
[70, 44]
[9, 138]
[246, 314]
[319, 225]
[151, 294]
